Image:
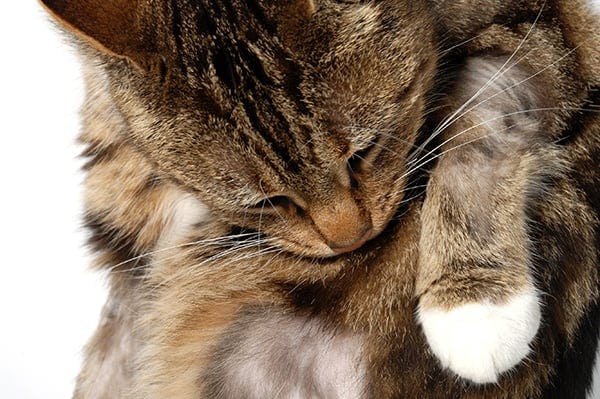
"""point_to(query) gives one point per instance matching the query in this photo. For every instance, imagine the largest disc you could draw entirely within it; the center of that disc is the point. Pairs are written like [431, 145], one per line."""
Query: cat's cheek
[480, 341]
[180, 213]
[594, 6]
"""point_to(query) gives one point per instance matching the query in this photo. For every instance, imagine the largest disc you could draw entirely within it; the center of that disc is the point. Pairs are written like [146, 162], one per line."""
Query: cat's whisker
[453, 117]
[399, 217]
[193, 271]
[458, 114]
[409, 199]
[433, 109]
[521, 112]
[206, 242]
[275, 256]
[410, 188]
[497, 75]
[195, 267]
[450, 49]
[427, 161]
[474, 107]
[225, 242]
[433, 158]
[257, 254]
[228, 251]
[246, 256]
[242, 246]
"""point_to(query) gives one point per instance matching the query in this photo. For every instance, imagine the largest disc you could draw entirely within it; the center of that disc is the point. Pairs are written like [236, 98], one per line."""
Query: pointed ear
[111, 26]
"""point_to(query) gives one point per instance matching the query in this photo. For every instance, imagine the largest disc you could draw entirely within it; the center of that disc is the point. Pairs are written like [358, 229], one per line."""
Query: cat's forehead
[259, 93]
[236, 60]
[230, 36]
[338, 57]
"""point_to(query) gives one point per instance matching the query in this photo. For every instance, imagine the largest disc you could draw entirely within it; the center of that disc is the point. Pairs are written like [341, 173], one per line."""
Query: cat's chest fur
[267, 353]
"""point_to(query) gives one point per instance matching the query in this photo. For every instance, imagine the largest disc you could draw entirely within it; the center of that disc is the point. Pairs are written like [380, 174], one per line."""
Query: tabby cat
[341, 198]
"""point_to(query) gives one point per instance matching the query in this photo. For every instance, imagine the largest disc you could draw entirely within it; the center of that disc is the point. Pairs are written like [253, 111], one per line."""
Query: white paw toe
[480, 341]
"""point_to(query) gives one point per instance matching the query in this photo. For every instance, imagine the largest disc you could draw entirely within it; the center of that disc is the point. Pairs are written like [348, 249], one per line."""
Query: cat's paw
[480, 341]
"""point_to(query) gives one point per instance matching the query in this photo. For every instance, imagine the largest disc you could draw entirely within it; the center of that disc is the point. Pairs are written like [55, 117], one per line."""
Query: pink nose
[364, 236]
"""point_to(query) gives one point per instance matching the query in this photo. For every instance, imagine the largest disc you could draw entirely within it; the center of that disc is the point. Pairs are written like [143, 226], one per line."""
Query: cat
[341, 199]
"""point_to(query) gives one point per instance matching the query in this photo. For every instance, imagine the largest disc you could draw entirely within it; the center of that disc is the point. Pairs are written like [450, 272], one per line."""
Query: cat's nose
[343, 224]
[364, 236]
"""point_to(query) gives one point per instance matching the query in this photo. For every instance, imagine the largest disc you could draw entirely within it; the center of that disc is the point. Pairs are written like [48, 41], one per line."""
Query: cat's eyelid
[361, 160]
[362, 143]
[365, 150]
[276, 201]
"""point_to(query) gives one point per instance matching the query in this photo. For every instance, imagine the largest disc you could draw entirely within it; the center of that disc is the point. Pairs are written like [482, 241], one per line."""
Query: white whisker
[454, 116]
[424, 162]
[206, 242]
[512, 87]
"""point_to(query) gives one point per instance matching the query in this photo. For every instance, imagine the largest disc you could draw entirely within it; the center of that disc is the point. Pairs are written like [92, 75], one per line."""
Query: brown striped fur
[288, 128]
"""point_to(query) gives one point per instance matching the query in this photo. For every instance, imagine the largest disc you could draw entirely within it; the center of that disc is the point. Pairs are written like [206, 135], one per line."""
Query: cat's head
[292, 117]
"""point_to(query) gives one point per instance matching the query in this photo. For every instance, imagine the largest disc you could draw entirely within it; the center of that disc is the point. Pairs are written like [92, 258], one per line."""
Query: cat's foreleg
[478, 304]
[479, 307]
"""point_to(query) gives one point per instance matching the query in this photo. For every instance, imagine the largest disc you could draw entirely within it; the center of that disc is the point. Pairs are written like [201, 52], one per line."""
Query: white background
[49, 301]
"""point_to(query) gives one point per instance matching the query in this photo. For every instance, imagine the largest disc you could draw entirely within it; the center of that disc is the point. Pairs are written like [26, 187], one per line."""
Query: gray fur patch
[266, 354]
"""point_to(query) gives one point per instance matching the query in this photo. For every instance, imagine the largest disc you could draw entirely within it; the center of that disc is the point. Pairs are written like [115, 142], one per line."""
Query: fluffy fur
[253, 189]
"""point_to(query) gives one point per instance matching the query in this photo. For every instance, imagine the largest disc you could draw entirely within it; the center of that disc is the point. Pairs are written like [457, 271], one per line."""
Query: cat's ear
[111, 26]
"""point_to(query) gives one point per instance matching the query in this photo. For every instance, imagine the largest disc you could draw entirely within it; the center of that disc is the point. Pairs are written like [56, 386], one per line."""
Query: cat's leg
[479, 307]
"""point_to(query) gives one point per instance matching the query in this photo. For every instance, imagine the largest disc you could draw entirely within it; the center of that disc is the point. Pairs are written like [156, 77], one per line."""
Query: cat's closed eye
[361, 159]
[276, 204]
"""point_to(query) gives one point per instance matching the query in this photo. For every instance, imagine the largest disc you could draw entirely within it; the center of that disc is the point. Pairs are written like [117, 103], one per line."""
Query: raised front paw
[480, 341]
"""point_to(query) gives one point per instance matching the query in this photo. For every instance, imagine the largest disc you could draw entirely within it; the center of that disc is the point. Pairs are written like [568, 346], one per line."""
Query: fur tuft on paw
[480, 341]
